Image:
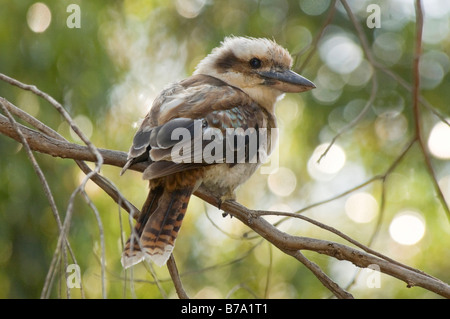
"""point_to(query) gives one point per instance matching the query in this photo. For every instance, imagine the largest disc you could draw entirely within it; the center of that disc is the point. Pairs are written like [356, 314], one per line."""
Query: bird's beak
[286, 81]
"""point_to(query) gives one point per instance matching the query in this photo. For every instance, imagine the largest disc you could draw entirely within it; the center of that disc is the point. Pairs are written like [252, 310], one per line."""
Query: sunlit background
[107, 73]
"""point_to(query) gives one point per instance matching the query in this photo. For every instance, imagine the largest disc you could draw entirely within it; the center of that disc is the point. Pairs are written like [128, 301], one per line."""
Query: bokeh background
[106, 74]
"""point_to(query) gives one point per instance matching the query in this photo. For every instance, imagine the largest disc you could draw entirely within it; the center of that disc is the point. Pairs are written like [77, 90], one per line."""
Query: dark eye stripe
[226, 61]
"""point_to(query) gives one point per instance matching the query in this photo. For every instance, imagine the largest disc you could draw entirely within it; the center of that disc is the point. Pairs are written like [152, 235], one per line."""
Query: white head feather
[230, 63]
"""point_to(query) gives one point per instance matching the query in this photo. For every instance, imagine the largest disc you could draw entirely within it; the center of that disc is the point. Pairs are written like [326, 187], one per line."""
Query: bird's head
[258, 66]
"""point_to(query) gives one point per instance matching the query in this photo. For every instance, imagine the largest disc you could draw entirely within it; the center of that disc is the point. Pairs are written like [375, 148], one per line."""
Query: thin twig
[36, 123]
[42, 179]
[357, 119]
[243, 287]
[360, 258]
[102, 241]
[269, 273]
[323, 278]
[338, 233]
[369, 56]
[62, 148]
[99, 180]
[61, 110]
[90, 145]
[173, 271]
[315, 42]
[416, 107]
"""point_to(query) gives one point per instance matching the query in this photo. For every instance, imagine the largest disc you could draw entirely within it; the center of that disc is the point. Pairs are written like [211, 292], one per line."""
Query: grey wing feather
[165, 137]
[156, 145]
[140, 142]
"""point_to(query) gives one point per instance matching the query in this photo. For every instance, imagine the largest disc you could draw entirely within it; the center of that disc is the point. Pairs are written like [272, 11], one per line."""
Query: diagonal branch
[102, 182]
[416, 107]
[45, 185]
[359, 258]
[47, 141]
[41, 143]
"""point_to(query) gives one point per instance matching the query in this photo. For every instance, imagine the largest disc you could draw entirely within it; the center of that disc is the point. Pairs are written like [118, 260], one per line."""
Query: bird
[230, 96]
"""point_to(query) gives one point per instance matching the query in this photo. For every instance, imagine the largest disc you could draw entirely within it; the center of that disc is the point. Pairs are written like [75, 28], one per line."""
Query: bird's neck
[265, 97]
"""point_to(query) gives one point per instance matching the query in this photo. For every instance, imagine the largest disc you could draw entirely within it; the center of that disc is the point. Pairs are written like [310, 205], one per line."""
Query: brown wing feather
[201, 98]
[198, 97]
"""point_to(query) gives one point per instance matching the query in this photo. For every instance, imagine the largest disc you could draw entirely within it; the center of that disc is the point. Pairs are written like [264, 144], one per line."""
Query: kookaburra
[235, 87]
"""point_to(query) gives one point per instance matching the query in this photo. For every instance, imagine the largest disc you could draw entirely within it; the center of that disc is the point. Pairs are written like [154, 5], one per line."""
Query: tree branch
[359, 258]
[47, 141]
[416, 107]
[173, 270]
[42, 143]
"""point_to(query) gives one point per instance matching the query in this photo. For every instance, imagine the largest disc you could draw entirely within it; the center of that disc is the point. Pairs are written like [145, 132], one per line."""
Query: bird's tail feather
[157, 227]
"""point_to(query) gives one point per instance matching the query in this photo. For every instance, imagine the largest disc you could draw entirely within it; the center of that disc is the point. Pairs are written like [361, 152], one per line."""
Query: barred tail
[157, 227]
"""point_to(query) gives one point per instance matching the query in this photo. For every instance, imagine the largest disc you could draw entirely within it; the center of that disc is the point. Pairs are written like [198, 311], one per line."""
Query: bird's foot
[227, 197]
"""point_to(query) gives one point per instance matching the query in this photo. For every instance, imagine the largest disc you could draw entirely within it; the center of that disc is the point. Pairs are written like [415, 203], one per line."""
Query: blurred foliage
[107, 72]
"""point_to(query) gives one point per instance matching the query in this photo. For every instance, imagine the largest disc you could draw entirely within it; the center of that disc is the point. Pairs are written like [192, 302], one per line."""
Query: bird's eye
[255, 63]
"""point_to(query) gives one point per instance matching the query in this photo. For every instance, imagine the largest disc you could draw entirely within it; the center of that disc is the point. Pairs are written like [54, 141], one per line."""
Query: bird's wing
[197, 122]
